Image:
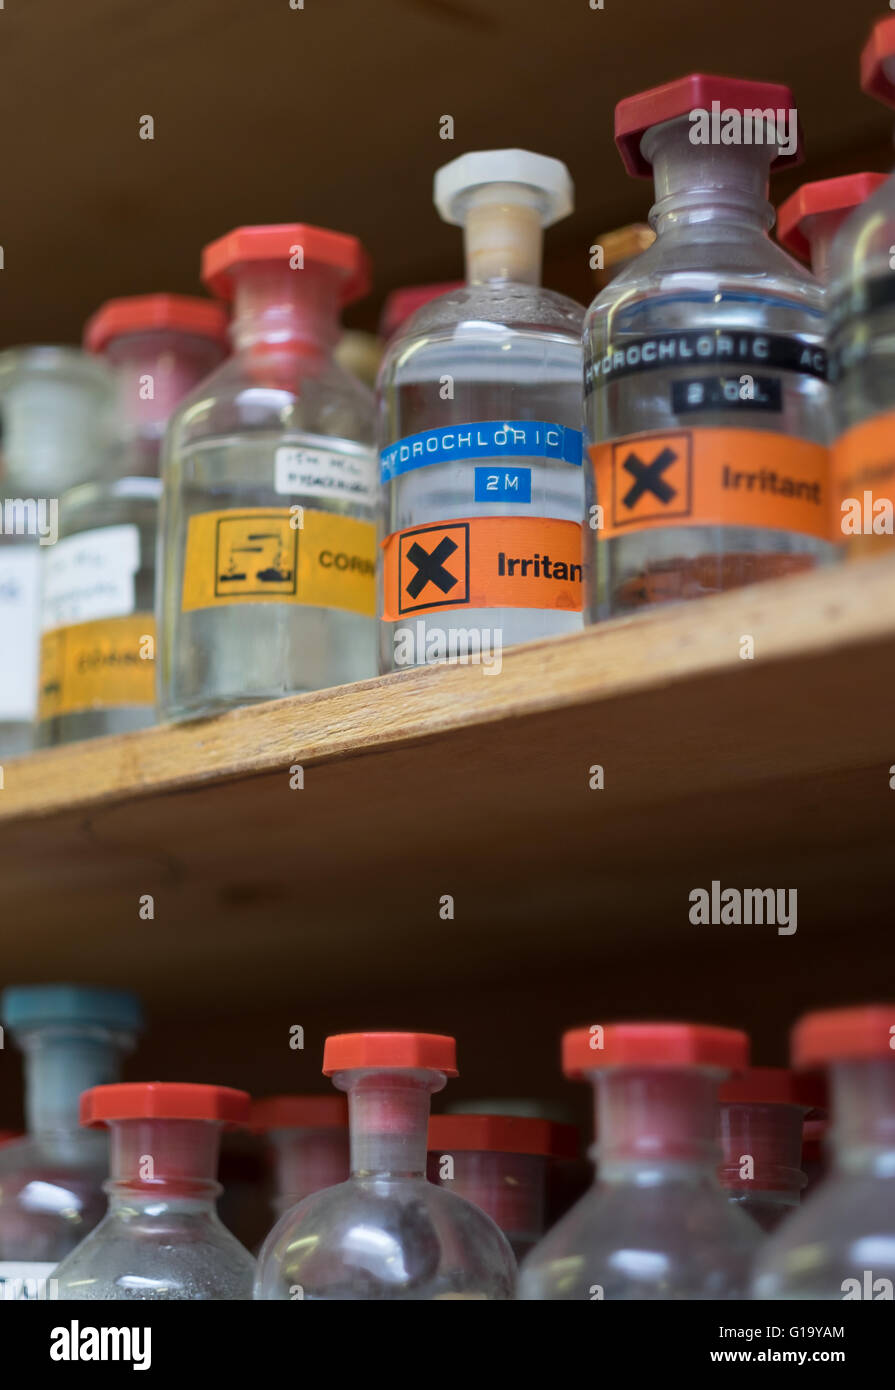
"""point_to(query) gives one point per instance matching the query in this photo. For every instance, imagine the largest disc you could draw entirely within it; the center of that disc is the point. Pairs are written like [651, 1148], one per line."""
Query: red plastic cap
[653, 1045]
[842, 1035]
[508, 1134]
[878, 51]
[763, 1086]
[164, 1100]
[634, 116]
[143, 313]
[826, 196]
[221, 259]
[408, 1051]
[402, 303]
[300, 1112]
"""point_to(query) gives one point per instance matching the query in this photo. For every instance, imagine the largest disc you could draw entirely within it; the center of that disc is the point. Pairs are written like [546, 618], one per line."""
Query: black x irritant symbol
[648, 478]
[430, 568]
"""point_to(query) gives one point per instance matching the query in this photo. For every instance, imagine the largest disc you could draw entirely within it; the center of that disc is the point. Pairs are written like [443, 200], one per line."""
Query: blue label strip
[499, 483]
[486, 439]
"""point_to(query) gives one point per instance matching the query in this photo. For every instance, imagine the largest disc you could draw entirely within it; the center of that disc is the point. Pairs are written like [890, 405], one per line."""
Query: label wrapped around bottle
[863, 469]
[105, 664]
[712, 477]
[483, 562]
[289, 555]
[19, 627]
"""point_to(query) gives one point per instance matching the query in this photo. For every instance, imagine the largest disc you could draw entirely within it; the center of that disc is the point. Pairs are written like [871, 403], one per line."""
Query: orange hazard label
[863, 470]
[705, 477]
[103, 664]
[483, 562]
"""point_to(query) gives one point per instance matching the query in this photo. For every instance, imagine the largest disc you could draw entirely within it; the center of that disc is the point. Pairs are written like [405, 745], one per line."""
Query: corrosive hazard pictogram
[652, 479]
[256, 554]
[433, 567]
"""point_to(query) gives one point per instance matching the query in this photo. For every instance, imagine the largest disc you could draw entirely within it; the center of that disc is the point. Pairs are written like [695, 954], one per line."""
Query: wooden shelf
[765, 772]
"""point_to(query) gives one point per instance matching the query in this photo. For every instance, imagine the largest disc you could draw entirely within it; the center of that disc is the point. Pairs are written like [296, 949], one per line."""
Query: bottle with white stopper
[480, 432]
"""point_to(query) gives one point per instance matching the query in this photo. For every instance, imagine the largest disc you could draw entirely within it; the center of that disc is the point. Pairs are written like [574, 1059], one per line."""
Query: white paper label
[26, 1279]
[90, 576]
[322, 472]
[19, 610]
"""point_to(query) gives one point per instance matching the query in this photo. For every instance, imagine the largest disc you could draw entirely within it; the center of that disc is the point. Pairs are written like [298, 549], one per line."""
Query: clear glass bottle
[57, 406]
[810, 218]
[98, 646]
[656, 1224]
[386, 1233]
[308, 1136]
[501, 1163]
[269, 512]
[761, 1116]
[840, 1244]
[161, 1237]
[480, 433]
[51, 1179]
[862, 345]
[706, 398]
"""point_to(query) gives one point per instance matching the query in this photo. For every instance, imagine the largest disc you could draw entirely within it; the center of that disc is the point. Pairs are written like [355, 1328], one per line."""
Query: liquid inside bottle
[705, 370]
[480, 434]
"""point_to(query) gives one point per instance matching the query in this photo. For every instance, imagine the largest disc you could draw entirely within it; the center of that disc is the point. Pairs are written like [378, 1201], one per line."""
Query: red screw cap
[634, 116]
[653, 1045]
[825, 197]
[508, 1134]
[402, 303]
[221, 259]
[843, 1035]
[300, 1112]
[879, 51]
[764, 1086]
[407, 1051]
[142, 313]
[164, 1100]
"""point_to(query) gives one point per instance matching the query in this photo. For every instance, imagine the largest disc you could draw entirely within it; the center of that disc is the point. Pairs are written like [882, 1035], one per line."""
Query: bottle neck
[503, 236]
[154, 1161]
[712, 183]
[862, 1136]
[657, 1125]
[389, 1120]
[761, 1148]
[60, 1063]
[820, 232]
[281, 310]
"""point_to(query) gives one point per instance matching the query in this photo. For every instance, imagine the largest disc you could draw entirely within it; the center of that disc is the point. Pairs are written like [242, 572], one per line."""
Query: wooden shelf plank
[772, 771]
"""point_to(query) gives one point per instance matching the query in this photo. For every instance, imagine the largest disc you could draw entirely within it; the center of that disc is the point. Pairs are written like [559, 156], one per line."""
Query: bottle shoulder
[711, 273]
[423, 1238]
[284, 394]
[847, 1224]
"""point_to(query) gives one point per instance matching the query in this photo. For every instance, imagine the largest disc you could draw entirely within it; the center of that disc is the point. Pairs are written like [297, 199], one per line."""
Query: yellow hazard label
[103, 664]
[280, 555]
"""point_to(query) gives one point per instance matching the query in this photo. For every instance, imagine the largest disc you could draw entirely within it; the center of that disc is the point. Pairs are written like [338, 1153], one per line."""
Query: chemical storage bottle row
[707, 1179]
[206, 508]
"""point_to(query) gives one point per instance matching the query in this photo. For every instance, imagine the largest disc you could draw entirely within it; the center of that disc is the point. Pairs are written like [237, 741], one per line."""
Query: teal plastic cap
[32, 1006]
